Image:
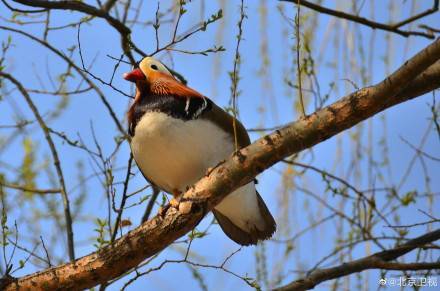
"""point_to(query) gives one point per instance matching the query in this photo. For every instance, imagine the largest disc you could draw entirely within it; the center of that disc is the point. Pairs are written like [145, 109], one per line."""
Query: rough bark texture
[156, 234]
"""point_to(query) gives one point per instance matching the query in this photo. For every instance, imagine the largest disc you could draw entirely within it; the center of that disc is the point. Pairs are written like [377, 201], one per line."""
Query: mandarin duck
[177, 134]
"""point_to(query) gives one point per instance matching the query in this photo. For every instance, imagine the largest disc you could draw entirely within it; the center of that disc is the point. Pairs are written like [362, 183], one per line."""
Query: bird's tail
[244, 217]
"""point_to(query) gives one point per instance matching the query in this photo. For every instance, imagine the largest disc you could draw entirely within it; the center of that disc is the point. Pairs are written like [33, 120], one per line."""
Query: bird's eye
[154, 67]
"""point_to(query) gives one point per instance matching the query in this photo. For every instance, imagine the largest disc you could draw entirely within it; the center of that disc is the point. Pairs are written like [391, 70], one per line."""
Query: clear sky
[337, 50]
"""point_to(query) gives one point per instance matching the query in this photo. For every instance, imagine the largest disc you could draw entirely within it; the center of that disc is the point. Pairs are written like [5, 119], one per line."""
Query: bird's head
[153, 80]
[153, 77]
[147, 70]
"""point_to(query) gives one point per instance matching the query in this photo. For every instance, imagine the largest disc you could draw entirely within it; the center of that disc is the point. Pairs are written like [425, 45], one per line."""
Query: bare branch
[123, 200]
[376, 261]
[81, 7]
[375, 25]
[79, 71]
[56, 162]
[27, 189]
[21, 10]
[150, 204]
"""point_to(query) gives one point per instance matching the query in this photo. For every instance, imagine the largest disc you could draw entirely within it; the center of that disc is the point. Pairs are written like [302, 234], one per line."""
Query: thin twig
[93, 75]
[150, 205]
[80, 72]
[123, 200]
[27, 189]
[235, 73]
[49, 264]
[298, 54]
[56, 162]
[367, 22]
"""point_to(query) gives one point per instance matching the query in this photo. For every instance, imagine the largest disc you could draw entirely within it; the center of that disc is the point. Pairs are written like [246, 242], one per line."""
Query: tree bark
[417, 76]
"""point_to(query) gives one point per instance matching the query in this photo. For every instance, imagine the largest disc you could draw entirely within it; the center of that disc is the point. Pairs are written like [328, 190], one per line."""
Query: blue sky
[408, 120]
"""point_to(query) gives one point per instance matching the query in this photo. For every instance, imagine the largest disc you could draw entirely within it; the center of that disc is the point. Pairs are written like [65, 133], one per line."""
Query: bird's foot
[174, 202]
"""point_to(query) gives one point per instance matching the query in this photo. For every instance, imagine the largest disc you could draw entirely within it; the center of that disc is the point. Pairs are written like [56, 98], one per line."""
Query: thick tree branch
[157, 233]
[376, 261]
[375, 25]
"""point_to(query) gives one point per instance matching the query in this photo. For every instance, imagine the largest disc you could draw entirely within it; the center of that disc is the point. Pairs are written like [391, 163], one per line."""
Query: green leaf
[408, 198]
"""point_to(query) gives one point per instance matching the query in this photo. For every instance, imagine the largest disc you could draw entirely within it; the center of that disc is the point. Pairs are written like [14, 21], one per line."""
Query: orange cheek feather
[164, 84]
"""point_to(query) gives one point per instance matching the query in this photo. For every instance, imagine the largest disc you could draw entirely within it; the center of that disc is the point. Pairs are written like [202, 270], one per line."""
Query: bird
[177, 134]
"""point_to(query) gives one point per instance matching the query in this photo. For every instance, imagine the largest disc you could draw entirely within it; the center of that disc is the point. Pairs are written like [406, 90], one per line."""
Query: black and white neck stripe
[175, 107]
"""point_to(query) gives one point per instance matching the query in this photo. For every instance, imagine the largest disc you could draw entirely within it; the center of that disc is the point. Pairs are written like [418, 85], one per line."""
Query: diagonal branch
[103, 13]
[379, 260]
[425, 13]
[420, 75]
[21, 10]
[78, 70]
[81, 7]
[375, 25]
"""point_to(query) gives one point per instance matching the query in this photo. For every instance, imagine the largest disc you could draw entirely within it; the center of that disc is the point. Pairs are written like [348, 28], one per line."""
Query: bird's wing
[226, 122]
[247, 208]
[164, 84]
[243, 215]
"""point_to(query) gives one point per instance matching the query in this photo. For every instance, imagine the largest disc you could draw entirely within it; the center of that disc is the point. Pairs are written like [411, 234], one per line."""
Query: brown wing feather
[163, 84]
[226, 122]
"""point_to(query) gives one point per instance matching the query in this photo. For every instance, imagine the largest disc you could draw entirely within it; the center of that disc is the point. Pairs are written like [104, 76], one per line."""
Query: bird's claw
[174, 202]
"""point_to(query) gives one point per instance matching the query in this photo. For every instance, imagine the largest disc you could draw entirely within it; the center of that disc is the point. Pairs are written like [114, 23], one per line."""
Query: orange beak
[135, 75]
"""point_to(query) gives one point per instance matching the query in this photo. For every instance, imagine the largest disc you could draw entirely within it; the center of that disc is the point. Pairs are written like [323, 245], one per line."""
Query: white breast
[174, 154]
